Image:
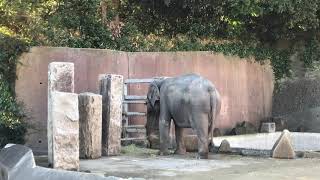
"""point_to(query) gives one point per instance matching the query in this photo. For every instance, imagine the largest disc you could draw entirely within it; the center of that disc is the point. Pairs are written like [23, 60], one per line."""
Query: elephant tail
[215, 106]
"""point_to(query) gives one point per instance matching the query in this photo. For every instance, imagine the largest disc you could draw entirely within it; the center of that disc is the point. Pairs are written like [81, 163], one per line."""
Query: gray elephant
[192, 102]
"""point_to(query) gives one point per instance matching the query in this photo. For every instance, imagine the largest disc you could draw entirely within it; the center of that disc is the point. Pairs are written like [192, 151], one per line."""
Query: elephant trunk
[152, 125]
[215, 106]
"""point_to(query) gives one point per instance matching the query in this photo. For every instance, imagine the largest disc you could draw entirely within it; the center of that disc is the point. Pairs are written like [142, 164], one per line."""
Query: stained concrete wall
[245, 86]
[296, 102]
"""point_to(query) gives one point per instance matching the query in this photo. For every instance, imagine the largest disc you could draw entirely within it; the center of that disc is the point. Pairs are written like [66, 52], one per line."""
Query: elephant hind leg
[201, 127]
[181, 149]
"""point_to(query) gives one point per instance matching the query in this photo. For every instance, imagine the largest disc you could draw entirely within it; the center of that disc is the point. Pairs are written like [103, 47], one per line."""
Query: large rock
[90, 111]
[283, 147]
[224, 147]
[15, 159]
[296, 102]
[307, 120]
[63, 115]
[17, 163]
[60, 78]
[111, 89]
[244, 127]
[254, 152]
[268, 127]
[281, 124]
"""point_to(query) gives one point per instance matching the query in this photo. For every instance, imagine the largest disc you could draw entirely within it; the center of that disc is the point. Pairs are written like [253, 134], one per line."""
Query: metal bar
[137, 138]
[132, 81]
[134, 113]
[135, 126]
[133, 97]
[136, 130]
[134, 102]
[125, 109]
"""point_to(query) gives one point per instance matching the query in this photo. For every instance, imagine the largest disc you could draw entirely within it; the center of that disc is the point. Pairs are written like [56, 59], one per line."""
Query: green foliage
[12, 127]
[266, 21]
[77, 23]
[311, 53]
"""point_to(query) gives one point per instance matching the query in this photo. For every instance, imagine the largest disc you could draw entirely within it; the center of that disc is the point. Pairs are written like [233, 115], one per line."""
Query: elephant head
[153, 95]
[153, 112]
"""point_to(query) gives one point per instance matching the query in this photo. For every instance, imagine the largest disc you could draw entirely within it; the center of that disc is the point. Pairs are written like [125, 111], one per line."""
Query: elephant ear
[153, 94]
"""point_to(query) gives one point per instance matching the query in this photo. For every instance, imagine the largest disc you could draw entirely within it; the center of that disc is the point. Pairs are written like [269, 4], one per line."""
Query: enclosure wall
[245, 86]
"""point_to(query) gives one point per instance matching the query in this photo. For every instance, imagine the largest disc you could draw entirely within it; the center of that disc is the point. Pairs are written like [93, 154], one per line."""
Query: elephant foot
[180, 151]
[202, 156]
[164, 153]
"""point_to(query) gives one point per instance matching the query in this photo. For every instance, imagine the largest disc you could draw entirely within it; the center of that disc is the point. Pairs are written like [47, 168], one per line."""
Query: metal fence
[133, 99]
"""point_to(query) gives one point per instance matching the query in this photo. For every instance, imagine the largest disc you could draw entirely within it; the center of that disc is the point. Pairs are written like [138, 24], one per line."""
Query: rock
[90, 125]
[299, 154]
[224, 147]
[268, 127]
[17, 163]
[14, 159]
[216, 132]
[312, 154]
[254, 152]
[283, 147]
[243, 128]
[60, 78]
[281, 123]
[63, 115]
[306, 120]
[111, 89]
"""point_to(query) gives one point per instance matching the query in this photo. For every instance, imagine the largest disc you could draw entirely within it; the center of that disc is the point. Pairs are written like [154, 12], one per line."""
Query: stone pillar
[63, 116]
[60, 78]
[111, 89]
[90, 111]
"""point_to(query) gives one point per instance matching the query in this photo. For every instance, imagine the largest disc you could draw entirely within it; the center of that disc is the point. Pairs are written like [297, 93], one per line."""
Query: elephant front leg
[181, 149]
[164, 128]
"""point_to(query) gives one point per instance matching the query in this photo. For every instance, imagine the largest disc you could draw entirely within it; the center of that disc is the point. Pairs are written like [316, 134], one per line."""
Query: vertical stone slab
[64, 114]
[111, 89]
[90, 111]
[60, 78]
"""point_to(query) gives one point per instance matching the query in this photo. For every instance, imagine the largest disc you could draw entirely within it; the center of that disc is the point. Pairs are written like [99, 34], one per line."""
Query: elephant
[191, 101]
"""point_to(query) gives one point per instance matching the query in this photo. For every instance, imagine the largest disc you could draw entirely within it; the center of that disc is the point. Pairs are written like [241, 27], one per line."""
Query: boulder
[224, 147]
[268, 127]
[283, 147]
[281, 123]
[17, 163]
[216, 132]
[243, 128]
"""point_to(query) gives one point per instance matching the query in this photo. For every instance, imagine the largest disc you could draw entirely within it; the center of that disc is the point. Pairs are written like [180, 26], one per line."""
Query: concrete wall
[297, 102]
[245, 86]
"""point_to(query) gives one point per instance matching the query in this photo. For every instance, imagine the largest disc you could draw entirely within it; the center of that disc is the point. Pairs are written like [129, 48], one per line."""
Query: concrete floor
[218, 167]
[146, 164]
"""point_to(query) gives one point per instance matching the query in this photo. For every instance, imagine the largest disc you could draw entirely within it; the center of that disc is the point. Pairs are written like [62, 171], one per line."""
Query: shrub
[12, 127]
